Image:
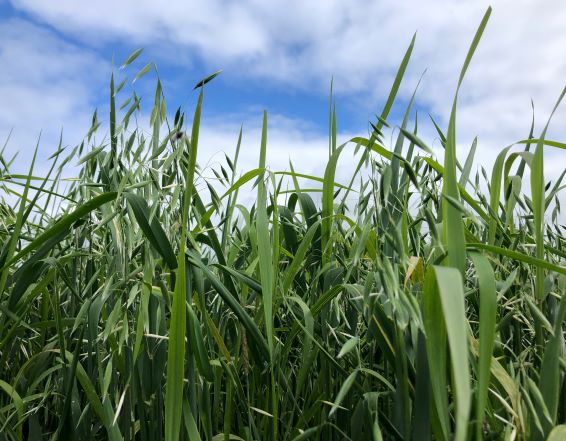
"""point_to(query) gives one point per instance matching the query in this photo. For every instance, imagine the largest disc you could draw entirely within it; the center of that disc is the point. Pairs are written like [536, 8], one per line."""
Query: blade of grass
[176, 345]
[453, 226]
[488, 313]
[444, 286]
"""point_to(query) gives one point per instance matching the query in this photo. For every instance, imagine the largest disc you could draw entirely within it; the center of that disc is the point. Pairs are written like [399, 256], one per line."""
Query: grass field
[404, 304]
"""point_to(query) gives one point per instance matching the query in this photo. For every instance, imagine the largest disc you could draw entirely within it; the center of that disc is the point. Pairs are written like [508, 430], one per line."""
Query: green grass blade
[113, 134]
[465, 175]
[176, 346]
[346, 386]
[235, 306]
[63, 223]
[152, 229]
[435, 329]
[208, 78]
[264, 242]
[495, 194]
[18, 403]
[537, 192]
[488, 313]
[396, 83]
[446, 284]
[549, 378]
[131, 58]
[299, 258]
[199, 348]
[525, 258]
[328, 205]
[558, 433]
[7, 254]
[453, 227]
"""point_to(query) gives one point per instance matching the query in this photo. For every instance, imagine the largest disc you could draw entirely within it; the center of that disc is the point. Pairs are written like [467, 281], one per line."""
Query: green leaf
[465, 176]
[453, 226]
[199, 349]
[549, 377]
[344, 389]
[94, 152]
[396, 83]
[495, 194]
[152, 229]
[525, 258]
[328, 205]
[63, 223]
[264, 242]
[207, 79]
[18, 403]
[131, 58]
[558, 433]
[143, 71]
[444, 285]
[299, 258]
[488, 313]
[246, 321]
[538, 200]
[176, 346]
[348, 346]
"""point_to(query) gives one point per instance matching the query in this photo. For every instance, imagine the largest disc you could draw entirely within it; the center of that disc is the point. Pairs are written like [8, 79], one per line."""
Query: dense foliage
[140, 301]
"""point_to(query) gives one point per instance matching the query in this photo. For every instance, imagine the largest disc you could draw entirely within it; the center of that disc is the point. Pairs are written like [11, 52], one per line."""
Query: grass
[141, 302]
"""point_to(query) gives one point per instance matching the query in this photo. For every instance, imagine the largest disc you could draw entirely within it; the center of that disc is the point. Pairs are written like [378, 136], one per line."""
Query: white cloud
[287, 140]
[361, 43]
[300, 45]
[46, 85]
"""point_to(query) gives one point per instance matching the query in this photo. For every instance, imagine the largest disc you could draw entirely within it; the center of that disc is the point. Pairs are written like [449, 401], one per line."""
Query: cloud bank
[300, 45]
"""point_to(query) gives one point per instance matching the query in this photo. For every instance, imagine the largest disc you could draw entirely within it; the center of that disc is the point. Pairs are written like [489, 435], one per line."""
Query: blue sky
[56, 58]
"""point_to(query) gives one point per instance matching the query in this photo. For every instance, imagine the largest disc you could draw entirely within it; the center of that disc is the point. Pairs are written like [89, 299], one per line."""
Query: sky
[56, 59]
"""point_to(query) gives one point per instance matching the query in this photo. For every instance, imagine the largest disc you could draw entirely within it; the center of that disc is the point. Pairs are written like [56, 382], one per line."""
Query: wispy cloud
[46, 85]
[300, 45]
[360, 43]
